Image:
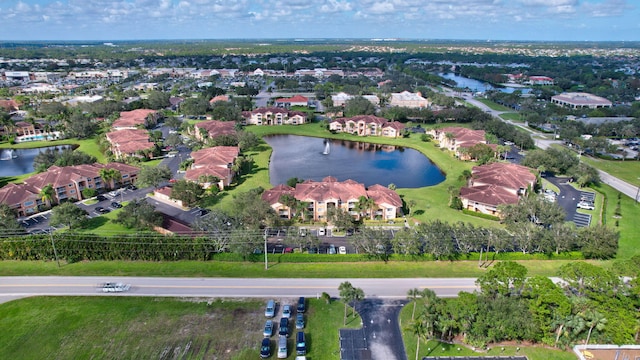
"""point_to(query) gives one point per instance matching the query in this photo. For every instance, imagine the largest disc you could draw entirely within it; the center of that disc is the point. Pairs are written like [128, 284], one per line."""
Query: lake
[307, 158]
[15, 162]
[480, 86]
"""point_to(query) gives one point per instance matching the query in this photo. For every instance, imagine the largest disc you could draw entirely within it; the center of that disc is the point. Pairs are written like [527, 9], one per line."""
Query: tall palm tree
[366, 205]
[290, 202]
[594, 320]
[46, 194]
[346, 293]
[413, 295]
[419, 330]
[110, 176]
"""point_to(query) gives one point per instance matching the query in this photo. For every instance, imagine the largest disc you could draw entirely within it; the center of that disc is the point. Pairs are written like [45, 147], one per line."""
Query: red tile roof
[212, 161]
[383, 195]
[510, 176]
[272, 196]
[329, 188]
[133, 118]
[216, 128]
[129, 141]
[13, 194]
[293, 99]
[489, 195]
[9, 105]
[219, 98]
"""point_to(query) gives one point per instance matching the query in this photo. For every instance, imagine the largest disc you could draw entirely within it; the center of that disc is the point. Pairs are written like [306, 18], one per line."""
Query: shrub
[480, 215]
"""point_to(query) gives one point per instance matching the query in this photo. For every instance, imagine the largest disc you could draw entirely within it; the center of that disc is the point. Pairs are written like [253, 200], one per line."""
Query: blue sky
[552, 20]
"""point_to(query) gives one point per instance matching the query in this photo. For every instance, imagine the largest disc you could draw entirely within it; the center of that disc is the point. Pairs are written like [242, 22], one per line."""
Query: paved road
[624, 187]
[13, 287]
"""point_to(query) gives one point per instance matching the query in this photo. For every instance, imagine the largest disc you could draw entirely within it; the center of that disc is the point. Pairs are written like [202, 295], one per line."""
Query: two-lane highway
[16, 287]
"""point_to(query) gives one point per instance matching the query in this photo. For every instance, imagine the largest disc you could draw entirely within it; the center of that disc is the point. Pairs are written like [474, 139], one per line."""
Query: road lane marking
[222, 286]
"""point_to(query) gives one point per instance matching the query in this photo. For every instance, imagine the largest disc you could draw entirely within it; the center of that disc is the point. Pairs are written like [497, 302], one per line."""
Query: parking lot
[569, 198]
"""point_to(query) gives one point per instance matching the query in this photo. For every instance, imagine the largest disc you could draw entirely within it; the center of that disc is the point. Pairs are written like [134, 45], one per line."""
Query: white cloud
[334, 6]
[382, 8]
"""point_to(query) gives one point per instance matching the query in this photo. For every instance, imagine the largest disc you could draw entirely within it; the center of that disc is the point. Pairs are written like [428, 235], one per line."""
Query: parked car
[585, 205]
[299, 321]
[270, 311]
[301, 346]
[132, 187]
[332, 249]
[114, 287]
[286, 311]
[265, 348]
[282, 348]
[102, 210]
[283, 330]
[268, 328]
[116, 205]
[342, 250]
[302, 305]
[101, 198]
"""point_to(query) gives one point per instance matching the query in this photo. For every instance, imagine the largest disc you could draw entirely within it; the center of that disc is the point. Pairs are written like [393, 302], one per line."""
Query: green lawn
[628, 170]
[513, 116]
[147, 328]
[494, 106]
[626, 224]
[89, 146]
[437, 348]
[280, 266]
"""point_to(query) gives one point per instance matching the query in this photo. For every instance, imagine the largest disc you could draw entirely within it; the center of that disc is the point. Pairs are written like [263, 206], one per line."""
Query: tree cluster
[591, 304]
[65, 157]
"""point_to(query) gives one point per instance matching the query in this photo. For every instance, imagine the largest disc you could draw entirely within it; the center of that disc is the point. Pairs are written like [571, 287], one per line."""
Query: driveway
[568, 199]
[380, 337]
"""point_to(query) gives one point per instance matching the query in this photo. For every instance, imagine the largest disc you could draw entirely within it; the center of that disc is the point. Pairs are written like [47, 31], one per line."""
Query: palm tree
[46, 194]
[346, 293]
[450, 139]
[419, 330]
[367, 205]
[413, 295]
[594, 320]
[289, 201]
[110, 176]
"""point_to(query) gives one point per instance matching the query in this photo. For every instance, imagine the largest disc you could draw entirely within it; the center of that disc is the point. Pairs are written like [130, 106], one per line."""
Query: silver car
[115, 287]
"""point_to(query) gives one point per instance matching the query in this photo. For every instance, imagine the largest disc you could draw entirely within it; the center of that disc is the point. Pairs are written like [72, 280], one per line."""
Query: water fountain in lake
[327, 148]
[7, 154]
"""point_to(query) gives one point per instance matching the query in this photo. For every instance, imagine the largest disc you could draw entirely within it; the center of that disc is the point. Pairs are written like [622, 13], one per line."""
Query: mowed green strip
[153, 328]
[373, 269]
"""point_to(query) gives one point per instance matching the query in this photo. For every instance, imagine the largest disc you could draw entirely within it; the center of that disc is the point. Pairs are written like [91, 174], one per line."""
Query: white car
[286, 311]
[342, 250]
[585, 205]
[115, 287]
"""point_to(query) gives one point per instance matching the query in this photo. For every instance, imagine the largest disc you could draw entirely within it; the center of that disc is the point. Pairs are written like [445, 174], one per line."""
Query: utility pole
[53, 244]
[266, 261]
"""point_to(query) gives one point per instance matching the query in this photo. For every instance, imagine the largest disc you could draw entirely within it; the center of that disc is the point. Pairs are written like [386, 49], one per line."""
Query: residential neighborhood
[252, 163]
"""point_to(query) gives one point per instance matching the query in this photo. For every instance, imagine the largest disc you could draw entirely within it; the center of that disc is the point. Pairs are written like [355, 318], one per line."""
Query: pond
[315, 158]
[479, 86]
[15, 162]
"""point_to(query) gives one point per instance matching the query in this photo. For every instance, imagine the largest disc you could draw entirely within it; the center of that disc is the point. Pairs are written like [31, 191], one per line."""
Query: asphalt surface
[568, 200]
[380, 337]
[24, 286]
